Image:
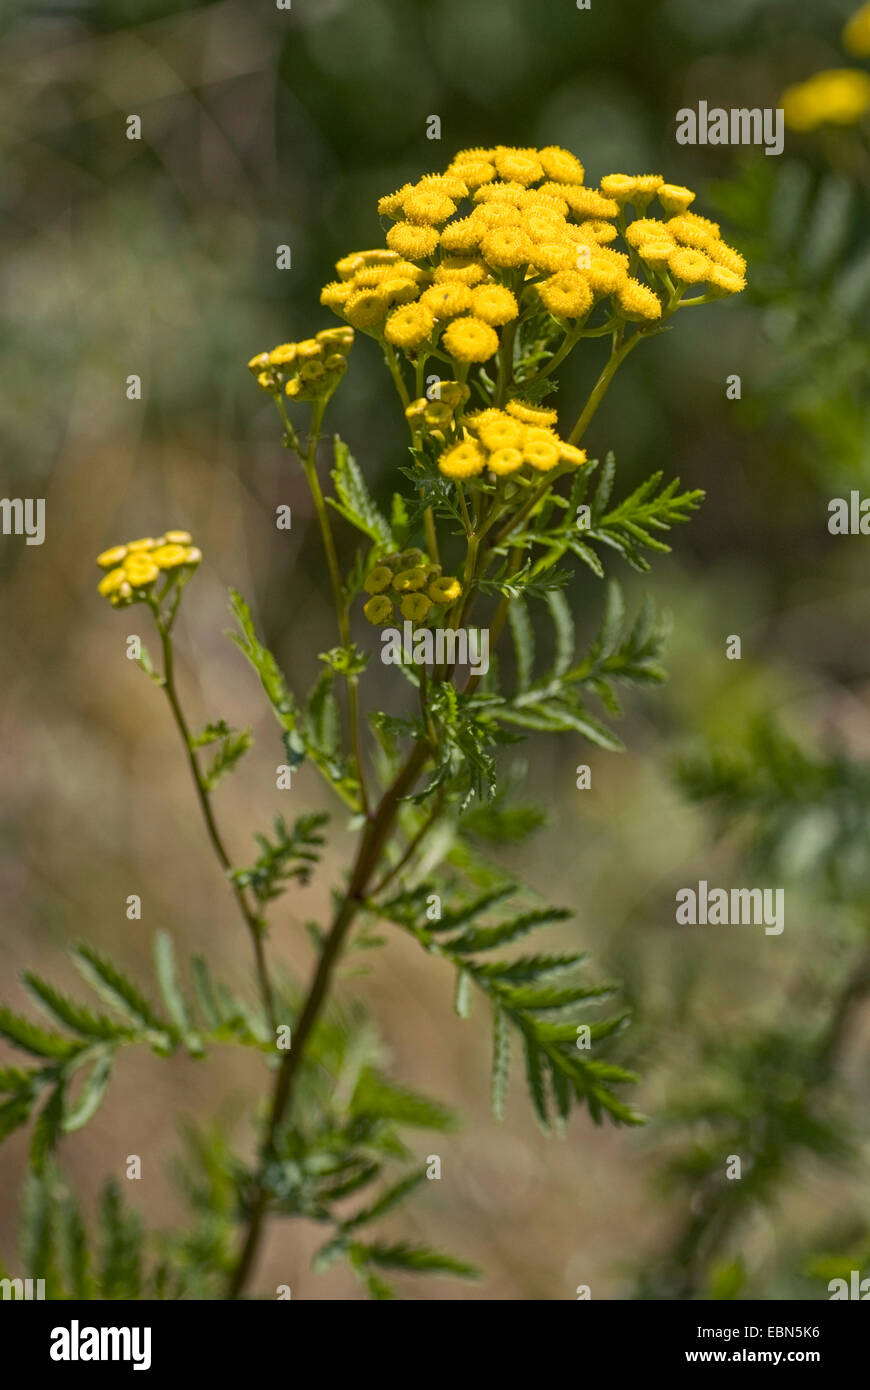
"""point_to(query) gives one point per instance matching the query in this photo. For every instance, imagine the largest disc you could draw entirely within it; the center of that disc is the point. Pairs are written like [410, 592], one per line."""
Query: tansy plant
[493, 273]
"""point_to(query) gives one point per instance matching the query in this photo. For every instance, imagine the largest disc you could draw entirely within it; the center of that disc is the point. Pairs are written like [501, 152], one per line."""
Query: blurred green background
[156, 257]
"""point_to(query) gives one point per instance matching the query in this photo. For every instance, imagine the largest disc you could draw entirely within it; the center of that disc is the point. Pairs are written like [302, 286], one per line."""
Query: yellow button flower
[656, 253]
[505, 461]
[462, 236]
[462, 460]
[569, 453]
[503, 433]
[427, 207]
[618, 186]
[506, 247]
[168, 557]
[146, 543]
[495, 304]
[366, 308]
[470, 340]
[109, 558]
[674, 198]
[112, 581]
[688, 266]
[378, 610]
[415, 607]
[462, 270]
[638, 301]
[336, 293]
[283, 355]
[446, 301]
[409, 326]
[410, 580]
[561, 165]
[567, 294]
[519, 166]
[178, 537]
[412, 241]
[542, 454]
[378, 579]
[444, 590]
[538, 416]
[140, 570]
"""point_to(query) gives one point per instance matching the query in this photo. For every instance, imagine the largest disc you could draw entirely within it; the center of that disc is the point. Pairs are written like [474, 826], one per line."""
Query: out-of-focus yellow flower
[541, 449]
[838, 96]
[378, 579]
[470, 340]
[111, 557]
[169, 557]
[415, 607]
[856, 33]
[444, 590]
[140, 570]
[410, 580]
[505, 461]
[378, 610]
[569, 453]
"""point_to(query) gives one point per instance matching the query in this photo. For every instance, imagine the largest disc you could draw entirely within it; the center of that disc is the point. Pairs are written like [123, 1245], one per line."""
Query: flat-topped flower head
[134, 567]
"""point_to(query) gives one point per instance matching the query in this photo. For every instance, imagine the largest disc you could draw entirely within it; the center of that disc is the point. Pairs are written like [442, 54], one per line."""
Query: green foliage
[353, 502]
[232, 746]
[539, 997]
[292, 855]
[628, 528]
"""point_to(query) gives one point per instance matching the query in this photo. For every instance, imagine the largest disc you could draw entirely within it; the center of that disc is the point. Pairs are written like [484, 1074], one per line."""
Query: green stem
[371, 845]
[309, 463]
[253, 922]
[615, 360]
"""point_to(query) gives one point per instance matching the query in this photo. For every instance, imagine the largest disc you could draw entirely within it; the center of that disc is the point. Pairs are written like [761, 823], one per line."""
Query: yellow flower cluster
[504, 440]
[500, 224]
[438, 417]
[410, 579]
[690, 249]
[837, 96]
[133, 568]
[304, 371]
